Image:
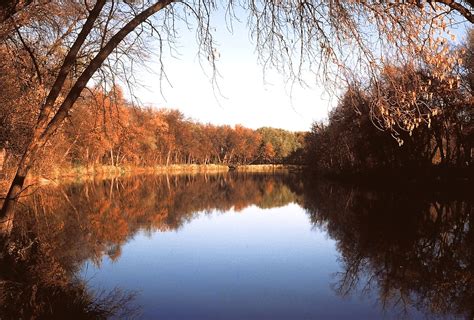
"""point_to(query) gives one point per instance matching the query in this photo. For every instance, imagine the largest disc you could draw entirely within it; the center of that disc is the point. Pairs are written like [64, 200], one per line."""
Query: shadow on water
[34, 284]
[411, 249]
[405, 250]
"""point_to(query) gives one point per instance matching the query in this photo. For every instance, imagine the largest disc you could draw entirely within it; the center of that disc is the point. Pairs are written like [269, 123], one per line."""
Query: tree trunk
[87, 157]
[16, 186]
[6, 225]
[111, 157]
[3, 158]
[439, 142]
[117, 158]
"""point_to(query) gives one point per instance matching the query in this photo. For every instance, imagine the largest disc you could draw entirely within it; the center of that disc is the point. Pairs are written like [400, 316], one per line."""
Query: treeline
[105, 129]
[437, 133]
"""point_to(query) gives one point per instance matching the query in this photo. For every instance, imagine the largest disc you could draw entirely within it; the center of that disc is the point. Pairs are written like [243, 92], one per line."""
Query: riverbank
[81, 173]
[269, 168]
[434, 178]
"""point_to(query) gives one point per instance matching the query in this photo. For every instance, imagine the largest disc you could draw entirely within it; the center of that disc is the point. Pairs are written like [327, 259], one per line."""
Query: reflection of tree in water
[412, 249]
[60, 228]
[86, 221]
[34, 285]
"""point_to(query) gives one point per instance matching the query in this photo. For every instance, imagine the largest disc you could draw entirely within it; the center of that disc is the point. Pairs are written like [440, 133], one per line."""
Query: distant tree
[267, 152]
[283, 142]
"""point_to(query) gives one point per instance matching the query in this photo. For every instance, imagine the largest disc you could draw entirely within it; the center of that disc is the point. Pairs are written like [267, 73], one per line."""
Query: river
[240, 246]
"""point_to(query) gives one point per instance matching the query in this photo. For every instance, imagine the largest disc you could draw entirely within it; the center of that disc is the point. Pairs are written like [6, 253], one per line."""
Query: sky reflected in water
[252, 264]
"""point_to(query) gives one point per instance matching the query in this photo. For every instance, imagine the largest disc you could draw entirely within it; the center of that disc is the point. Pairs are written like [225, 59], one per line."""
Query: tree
[267, 152]
[292, 36]
[283, 142]
[350, 143]
[52, 114]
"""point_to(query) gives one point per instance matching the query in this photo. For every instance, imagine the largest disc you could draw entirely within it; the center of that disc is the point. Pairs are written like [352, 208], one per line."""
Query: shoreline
[82, 173]
[434, 178]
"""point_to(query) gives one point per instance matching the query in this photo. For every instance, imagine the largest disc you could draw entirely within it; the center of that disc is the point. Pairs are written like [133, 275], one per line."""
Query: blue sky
[247, 96]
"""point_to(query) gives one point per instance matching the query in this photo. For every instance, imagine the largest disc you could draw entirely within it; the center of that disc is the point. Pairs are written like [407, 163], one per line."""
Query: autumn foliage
[430, 120]
[104, 129]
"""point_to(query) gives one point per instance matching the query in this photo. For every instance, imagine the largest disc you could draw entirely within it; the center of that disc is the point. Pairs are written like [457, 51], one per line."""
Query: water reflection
[405, 251]
[60, 228]
[34, 284]
[410, 249]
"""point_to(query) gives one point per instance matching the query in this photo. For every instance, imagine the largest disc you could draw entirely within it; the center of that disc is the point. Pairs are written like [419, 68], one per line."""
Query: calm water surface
[241, 246]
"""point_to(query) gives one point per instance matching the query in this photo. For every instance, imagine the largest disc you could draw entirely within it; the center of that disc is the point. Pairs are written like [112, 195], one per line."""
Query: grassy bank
[114, 171]
[82, 173]
[104, 172]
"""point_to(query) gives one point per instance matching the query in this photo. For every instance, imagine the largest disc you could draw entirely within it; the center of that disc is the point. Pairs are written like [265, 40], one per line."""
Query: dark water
[239, 246]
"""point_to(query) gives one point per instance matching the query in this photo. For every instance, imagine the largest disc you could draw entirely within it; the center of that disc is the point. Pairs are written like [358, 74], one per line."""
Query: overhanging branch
[465, 12]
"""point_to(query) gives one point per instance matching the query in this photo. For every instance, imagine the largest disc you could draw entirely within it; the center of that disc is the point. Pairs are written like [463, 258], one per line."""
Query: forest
[360, 139]
[61, 63]
[106, 130]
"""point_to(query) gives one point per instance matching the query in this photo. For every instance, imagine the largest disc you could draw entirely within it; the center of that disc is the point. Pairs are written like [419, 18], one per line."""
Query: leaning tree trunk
[16, 186]
[6, 225]
[49, 121]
